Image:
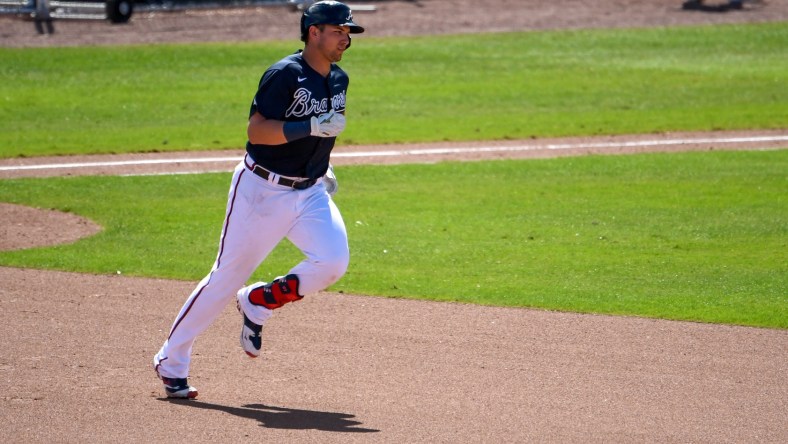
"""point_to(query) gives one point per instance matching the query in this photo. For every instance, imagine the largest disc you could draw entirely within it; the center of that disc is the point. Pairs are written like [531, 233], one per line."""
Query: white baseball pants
[259, 215]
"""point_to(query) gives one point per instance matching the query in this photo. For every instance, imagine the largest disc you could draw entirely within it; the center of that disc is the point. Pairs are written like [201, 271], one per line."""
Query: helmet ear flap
[349, 41]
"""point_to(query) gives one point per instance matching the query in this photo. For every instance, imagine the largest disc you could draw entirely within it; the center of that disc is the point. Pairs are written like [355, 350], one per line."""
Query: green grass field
[693, 236]
[461, 87]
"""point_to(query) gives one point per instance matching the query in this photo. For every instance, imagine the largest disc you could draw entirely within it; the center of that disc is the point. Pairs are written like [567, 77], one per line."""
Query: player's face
[333, 41]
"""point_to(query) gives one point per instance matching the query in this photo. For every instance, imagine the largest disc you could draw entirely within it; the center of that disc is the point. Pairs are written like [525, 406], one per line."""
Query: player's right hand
[329, 124]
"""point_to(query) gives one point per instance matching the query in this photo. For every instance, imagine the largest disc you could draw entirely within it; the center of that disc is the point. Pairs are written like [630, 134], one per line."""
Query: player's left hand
[329, 124]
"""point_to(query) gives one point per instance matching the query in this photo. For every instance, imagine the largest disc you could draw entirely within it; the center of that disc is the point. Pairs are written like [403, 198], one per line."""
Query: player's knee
[341, 263]
[335, 267]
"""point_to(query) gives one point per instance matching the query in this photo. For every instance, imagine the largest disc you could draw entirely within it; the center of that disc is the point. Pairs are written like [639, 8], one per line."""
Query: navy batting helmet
[328, 12]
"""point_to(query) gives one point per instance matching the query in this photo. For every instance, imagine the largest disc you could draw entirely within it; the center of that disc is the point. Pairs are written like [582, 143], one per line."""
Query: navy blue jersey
[290, 90]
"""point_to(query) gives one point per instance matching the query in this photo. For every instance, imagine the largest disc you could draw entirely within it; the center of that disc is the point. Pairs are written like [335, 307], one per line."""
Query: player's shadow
[286, 418]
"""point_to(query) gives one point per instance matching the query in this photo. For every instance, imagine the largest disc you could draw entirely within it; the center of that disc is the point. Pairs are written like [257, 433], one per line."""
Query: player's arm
[262, 131]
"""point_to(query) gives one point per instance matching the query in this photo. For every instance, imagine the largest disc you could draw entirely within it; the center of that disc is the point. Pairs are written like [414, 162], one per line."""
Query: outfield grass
[692, 236]
[408, 89]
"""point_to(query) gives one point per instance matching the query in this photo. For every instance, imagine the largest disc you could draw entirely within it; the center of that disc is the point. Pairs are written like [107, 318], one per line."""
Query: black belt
[294, 184]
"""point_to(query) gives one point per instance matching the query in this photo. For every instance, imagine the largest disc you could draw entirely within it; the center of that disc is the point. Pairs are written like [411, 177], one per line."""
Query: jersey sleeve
[273, 94]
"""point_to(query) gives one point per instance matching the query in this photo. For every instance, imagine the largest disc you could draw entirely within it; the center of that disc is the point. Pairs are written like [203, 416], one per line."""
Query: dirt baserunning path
[76, 349]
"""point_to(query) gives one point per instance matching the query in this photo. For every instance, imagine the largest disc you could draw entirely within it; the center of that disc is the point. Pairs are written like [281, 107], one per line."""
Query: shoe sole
[190, 394]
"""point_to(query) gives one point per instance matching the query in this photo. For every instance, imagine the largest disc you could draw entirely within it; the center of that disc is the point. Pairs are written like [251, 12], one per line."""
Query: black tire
[119, 11]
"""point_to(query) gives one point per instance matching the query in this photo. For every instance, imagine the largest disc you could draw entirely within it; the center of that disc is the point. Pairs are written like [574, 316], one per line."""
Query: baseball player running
[279, 190]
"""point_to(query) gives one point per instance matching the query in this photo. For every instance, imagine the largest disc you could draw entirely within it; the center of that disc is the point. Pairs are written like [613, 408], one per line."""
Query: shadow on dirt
[284, 418]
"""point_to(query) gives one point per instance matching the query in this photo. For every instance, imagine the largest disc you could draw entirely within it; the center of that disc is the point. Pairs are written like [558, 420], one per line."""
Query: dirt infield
[76, 352]
[392, 18]
[339, 368]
